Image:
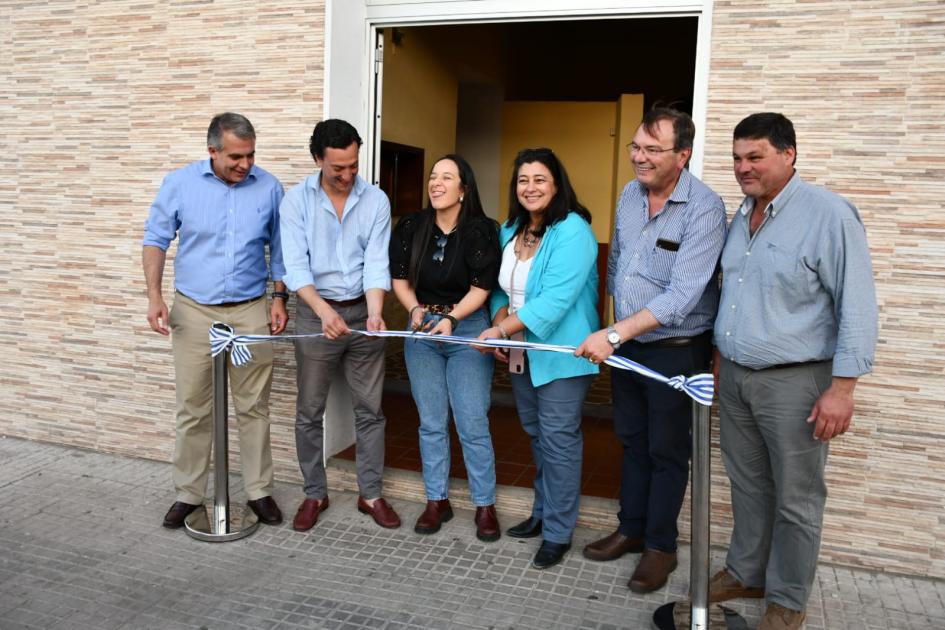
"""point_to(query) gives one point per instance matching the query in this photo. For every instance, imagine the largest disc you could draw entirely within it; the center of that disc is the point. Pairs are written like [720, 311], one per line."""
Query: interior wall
[582, 136]
[479, 140]
[629, 114]
[420, 94]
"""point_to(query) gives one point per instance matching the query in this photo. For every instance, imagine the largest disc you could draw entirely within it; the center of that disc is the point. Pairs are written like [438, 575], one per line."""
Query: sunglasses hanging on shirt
[440, 252]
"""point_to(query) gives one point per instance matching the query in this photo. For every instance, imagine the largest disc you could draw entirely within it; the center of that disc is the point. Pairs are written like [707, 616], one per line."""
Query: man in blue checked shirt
[335, 234]
[662, 272]
[224, 211]
[797, 327]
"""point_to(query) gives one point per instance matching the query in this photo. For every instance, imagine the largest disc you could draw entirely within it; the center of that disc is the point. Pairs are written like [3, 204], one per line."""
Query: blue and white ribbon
[699, 387]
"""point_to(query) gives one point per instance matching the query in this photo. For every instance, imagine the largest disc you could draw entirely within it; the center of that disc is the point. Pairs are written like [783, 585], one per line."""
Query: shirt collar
[683, 187]
[208, 171]
[315, 183]
[777, 204]
[680, 192]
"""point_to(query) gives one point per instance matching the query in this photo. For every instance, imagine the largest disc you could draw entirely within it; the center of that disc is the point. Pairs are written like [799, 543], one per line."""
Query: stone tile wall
[864, 83]
[100, 99]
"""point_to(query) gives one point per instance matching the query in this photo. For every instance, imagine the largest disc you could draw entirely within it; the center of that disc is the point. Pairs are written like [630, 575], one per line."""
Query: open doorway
[487, 90]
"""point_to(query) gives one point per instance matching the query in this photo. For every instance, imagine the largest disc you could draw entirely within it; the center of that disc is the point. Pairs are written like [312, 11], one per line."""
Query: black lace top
[468, 259]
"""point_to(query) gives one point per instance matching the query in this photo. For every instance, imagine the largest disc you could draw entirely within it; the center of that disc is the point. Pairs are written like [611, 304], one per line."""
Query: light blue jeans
[444, 376]
[551, 416]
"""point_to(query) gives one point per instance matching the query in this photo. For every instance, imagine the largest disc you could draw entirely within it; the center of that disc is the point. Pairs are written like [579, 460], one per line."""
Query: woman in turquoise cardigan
[548, 291]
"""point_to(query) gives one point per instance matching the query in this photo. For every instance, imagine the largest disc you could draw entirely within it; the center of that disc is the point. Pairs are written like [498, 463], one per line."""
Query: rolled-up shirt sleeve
[163, 219]
[376, 271]
[294, 250]
[695, 264]
[276, 265]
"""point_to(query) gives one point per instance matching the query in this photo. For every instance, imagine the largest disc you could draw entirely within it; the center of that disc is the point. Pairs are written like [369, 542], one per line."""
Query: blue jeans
[444, 376]
[551, 416]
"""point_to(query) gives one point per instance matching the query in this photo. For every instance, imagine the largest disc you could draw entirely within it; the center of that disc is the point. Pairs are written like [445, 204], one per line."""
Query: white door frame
[350, 27]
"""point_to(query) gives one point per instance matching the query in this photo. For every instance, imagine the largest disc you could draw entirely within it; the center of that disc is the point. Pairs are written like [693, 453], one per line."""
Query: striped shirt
[667, 263]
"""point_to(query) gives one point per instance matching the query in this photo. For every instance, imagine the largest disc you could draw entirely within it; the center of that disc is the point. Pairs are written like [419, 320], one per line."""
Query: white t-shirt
[513, 274]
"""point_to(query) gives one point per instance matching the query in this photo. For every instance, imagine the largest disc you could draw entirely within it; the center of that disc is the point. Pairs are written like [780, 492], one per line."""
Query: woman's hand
[443, 327]
[500, 354]
[416, 318]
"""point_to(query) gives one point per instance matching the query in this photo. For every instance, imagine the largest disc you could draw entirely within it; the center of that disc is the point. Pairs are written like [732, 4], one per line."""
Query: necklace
[529, 238]
[526, 241]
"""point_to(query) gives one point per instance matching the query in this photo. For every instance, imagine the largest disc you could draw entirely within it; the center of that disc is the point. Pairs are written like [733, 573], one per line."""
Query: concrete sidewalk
[82, 548]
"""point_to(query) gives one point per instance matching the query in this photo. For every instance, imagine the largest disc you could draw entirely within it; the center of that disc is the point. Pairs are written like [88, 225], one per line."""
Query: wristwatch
[613, 337]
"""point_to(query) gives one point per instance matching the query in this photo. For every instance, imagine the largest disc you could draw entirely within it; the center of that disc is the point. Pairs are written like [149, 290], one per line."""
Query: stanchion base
[675, 616]
[243, 522]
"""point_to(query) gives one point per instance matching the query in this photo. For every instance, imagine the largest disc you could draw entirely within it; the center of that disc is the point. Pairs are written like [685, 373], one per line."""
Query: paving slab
[83, 548]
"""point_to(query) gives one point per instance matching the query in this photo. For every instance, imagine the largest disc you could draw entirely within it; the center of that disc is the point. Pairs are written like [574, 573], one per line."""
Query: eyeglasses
[634, 148]
[440, 252]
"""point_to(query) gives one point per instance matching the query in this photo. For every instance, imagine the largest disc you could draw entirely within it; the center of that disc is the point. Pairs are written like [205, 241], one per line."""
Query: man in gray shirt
[797, 326]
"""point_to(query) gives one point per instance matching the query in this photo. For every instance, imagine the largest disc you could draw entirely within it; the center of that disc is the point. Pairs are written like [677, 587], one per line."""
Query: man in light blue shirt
[335, 234]
[797, 327]
[224, 211]
[670, 228]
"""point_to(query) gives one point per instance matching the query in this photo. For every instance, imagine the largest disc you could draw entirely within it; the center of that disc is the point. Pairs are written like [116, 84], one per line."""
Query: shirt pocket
[659, 265]
[782, 272]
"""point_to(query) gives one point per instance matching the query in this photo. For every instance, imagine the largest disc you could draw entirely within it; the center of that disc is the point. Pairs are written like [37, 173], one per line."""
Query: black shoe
[529, 528]
[175, 516]
[550, 554]
[267, 510]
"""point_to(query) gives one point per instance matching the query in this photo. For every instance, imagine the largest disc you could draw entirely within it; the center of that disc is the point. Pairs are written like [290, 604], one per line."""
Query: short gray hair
[236, 124]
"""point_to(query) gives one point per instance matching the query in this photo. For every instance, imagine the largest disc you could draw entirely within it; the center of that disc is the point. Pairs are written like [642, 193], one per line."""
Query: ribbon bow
[223, 338]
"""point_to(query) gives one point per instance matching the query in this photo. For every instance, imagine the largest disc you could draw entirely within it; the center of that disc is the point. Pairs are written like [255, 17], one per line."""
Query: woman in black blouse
[444, 261]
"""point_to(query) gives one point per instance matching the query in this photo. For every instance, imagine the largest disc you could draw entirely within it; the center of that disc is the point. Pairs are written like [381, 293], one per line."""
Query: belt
[439, 309]
[236, 303]
[341, 303]
[672, 342]
[784, 366]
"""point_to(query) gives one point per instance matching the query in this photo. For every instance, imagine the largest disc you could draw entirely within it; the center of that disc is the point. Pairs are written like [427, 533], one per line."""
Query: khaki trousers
[249, 388]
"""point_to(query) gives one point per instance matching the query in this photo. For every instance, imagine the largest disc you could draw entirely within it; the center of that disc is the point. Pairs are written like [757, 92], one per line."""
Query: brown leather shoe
[652, 571]
[267, 510]
[777, 617]
[382, 513]
[723, 586]
[307, 515]
[437, 513]
[612, 547]
[487, 524]
[174, 519]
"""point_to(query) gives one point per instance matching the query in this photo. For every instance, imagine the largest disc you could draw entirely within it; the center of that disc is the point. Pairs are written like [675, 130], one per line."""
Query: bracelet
[410, 313]
[502, 332]
[453, 321]
[281, 294]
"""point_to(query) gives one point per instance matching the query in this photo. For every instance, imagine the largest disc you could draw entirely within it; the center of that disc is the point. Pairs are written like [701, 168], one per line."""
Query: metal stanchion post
[229, 522]
[696, 613]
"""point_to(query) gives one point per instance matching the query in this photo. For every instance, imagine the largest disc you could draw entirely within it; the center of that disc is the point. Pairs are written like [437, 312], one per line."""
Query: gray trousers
[777, 472]
[361, 360]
